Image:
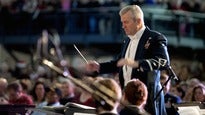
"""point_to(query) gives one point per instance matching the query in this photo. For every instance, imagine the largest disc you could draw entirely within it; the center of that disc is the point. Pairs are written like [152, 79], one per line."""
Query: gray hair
[135, 10]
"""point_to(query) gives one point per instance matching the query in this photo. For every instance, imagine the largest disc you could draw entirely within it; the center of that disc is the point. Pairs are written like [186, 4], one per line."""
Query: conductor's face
[129, 24]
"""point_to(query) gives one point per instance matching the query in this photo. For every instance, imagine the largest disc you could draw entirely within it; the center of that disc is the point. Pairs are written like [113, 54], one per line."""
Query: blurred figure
[198, 93]
[170, 99]
[66, 5]
[67, 89]
[3, 86]
[5, 71]
[21, 70]
[102, 107]
[16, 96]
[53, 96]
[29, 6]
[174, 4]
[135, 97]
[38, 93]
[184, 74]
[183, 85]
[191, 84]
[178, 91]
[26, 85]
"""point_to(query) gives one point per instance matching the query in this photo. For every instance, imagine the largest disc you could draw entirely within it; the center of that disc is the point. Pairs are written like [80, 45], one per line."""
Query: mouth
[126, 31]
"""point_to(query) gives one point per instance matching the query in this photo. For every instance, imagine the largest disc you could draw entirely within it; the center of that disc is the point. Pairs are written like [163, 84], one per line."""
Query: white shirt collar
[138, 34]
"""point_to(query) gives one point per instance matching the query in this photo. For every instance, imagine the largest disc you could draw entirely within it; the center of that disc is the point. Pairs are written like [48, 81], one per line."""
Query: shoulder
[26, 98]
[155, 34]
[40, 105]
[156, 37]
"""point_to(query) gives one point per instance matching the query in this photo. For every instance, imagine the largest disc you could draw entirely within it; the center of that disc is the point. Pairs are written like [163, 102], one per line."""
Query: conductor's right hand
[92, 67]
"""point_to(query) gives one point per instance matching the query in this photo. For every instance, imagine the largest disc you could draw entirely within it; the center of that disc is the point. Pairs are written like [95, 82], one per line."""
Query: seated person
[52, 100]
[16, 96]
[102, 106]
[67, 88]
[198, 93]
[53, 96]
[38, 93]
[134, 97]
[170, 99]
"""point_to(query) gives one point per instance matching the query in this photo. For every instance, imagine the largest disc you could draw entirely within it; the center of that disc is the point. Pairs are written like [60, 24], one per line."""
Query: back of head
[135, 92]
[115, 88]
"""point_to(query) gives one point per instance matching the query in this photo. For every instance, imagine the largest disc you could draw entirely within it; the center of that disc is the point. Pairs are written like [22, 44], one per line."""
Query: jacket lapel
[126, 42]
[141, 45]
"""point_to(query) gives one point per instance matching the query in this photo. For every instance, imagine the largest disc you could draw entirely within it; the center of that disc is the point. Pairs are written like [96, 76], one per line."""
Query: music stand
[190, 108]
[78, 109]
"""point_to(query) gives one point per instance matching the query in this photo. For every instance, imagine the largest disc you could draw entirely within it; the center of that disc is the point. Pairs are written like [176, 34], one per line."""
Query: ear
[138, 22]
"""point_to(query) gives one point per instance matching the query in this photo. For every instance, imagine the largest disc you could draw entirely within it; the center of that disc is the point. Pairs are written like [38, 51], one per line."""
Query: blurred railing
[99, 25]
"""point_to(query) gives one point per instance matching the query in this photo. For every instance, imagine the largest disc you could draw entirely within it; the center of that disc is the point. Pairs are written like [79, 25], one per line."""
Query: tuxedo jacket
[153, 56]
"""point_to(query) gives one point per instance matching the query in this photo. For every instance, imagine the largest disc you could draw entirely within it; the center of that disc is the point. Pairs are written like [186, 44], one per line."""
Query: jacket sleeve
[109, 67]
[157, 55]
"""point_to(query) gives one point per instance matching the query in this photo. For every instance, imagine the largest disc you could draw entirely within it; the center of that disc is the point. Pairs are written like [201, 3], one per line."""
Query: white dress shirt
[130, 53]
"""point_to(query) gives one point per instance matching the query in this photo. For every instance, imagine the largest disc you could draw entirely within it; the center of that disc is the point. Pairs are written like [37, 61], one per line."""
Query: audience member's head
[177, 91]
[16, 95]
[135, 93]
[53, 96]
[14, 90]
[67, 89]
[102, 105]
[38, 92]
[198, 93]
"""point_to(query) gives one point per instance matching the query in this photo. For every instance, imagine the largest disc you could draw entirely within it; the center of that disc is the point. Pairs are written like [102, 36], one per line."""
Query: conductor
[143, 55]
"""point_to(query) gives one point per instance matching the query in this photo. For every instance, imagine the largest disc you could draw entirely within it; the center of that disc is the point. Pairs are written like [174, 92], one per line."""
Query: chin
[128, 34]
